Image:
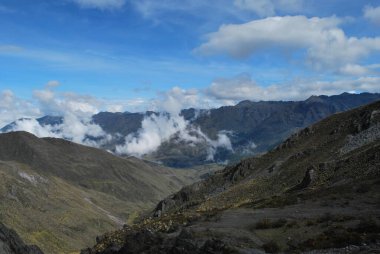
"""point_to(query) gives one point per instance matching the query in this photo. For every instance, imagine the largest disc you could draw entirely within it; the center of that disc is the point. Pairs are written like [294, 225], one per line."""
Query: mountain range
[318, 191]
[250, 127]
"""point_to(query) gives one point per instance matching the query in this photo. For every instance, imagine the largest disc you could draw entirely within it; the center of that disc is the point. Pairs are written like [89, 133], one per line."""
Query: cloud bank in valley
[75, 120]
[159, 128]
[75, 110]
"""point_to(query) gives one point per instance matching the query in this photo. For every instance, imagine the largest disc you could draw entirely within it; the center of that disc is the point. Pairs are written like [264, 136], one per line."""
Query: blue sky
[212, 52]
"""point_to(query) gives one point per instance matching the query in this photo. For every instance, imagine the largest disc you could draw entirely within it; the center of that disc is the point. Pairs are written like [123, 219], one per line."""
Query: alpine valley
[316, 187]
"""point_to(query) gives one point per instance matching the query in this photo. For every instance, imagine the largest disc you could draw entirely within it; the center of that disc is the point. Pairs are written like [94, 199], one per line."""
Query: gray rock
[11, 243]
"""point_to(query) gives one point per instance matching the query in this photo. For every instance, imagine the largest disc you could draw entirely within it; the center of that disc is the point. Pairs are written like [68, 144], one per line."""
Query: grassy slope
[59, 195]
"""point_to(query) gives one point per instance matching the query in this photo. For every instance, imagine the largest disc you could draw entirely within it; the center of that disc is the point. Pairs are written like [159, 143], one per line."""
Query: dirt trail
[115, 219]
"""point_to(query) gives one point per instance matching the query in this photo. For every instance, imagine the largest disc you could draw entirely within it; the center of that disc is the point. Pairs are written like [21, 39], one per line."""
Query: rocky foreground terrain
[317, 192]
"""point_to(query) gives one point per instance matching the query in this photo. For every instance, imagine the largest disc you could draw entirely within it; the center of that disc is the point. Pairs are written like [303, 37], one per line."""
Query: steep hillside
[60, 195]
[319, 189]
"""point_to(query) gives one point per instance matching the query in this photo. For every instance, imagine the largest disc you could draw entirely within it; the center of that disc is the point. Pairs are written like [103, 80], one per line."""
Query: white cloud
[157, 129]
[354, 70]
[154, 131]
[238, 88]
[75, 109]
[325, 45]
[372, 14]
[265, 8]
[100, 4]
[244, 88]
[77, 126]
[12, 108]
[73, 128]
[59, 104]
[176, 99]
[31, 125]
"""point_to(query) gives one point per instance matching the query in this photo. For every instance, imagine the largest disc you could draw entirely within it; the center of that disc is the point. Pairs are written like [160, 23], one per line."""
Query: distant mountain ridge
[252, 127]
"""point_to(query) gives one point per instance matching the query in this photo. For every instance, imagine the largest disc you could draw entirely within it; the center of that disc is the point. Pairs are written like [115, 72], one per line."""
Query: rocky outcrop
[11, 243]
[306, 181]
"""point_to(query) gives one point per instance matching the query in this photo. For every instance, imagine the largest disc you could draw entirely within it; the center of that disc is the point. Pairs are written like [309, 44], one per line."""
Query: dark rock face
[11, 243]
[306, 181]
[123, 123]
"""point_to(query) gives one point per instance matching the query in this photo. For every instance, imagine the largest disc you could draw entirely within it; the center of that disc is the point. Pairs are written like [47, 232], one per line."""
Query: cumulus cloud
[155, 130]
[160, 128]
[176, 99]
[72, 128]
[100, 4]
[75, 110]
[264, 8]
[243, 87]
[31, 125]
[168, 124]
[354, 70]
[372, 14]
[324, 44]
[12, 108]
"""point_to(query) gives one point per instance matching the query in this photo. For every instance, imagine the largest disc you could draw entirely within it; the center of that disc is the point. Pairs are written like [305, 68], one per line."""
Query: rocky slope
[319, 189]
[60, 195]
[10, 243]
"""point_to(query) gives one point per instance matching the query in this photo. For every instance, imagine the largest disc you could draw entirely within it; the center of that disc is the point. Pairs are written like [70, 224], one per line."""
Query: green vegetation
[60, 196]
